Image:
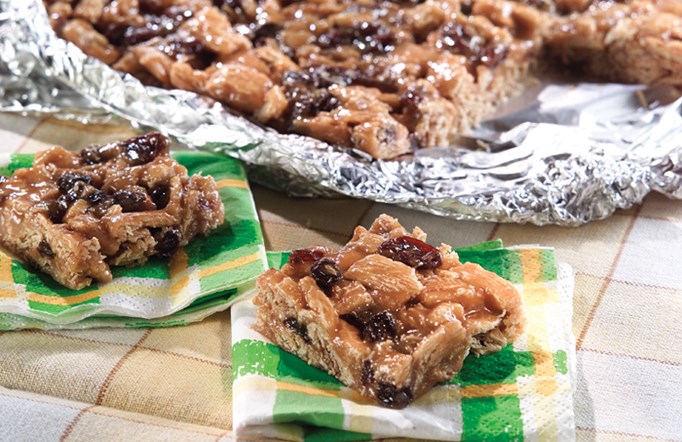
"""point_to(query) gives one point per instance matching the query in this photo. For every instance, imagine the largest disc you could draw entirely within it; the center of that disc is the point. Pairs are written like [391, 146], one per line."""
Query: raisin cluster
[412, 252]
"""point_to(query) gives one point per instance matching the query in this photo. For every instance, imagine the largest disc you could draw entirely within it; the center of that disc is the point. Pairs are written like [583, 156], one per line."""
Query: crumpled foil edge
[571, 163]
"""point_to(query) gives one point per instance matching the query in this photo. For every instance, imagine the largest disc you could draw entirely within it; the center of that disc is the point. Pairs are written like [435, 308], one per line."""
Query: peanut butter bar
[74, 214]
[388, 315]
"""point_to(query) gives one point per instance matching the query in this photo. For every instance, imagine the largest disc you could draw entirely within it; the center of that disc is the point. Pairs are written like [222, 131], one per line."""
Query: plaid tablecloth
[175, 384]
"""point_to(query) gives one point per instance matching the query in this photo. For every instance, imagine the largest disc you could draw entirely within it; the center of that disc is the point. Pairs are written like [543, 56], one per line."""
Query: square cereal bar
[388, 315]
[73, 214]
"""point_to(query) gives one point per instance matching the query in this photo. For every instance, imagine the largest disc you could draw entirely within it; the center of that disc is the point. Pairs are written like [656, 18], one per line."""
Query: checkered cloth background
[175, 383]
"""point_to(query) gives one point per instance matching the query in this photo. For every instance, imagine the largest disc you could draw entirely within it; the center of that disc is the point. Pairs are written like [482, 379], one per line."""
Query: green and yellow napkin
[523, 392]
[202, 278]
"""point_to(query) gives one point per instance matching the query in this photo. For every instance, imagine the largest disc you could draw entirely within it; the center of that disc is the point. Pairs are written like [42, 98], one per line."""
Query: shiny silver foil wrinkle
[571, 154]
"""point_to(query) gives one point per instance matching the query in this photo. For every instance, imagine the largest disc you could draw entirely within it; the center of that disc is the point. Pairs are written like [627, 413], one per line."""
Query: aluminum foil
[571, 154]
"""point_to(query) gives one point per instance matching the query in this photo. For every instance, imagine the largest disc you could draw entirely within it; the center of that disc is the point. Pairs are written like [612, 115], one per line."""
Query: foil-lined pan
[572, 154]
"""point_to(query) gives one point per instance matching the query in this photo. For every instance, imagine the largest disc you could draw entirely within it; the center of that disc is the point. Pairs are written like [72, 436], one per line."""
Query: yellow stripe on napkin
[63, 300]
[178, 264]
[531, 264]
[232, 183]
[242, 261]
[6, 290]
[489, 390]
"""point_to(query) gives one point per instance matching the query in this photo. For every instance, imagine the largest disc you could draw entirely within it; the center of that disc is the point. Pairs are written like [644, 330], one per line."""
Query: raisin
[454, 38]
[300, 256]
[367, 373]
[298, 328]
[145, 148]
[307, 90]
[92, 155]
[151, 6]
[410, 101]
[492, 55]
[354, 320]
[185, 46]
[166, 245]
[235, 5]
[98, 197]
[68, 181]
[134, 35]
[292, 79]
[57, 209]
[45, 249]
[543, 5]
[305, 102]
[100, 201]
[391, 396]
[467, 8]
[326, 102]
[201, 56]
[369, 38]
[131, 200]
[310, 103]
[326, 273]
[380, 327]
[478, 50]
[265, 31]
[411, 251]
[159, 22]
[159, 7]
[113, 31]
[160, 195]
[378, 80]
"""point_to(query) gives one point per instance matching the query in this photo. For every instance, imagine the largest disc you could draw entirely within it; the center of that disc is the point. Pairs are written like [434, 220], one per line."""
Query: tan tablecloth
[175, 384]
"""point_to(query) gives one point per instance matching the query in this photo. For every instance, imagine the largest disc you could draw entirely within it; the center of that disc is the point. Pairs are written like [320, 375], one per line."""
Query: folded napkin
[204, 277]
[524, 391]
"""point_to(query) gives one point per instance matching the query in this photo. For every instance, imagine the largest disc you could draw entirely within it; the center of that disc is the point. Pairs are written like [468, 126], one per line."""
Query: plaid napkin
[524, 391]
[204, 277]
